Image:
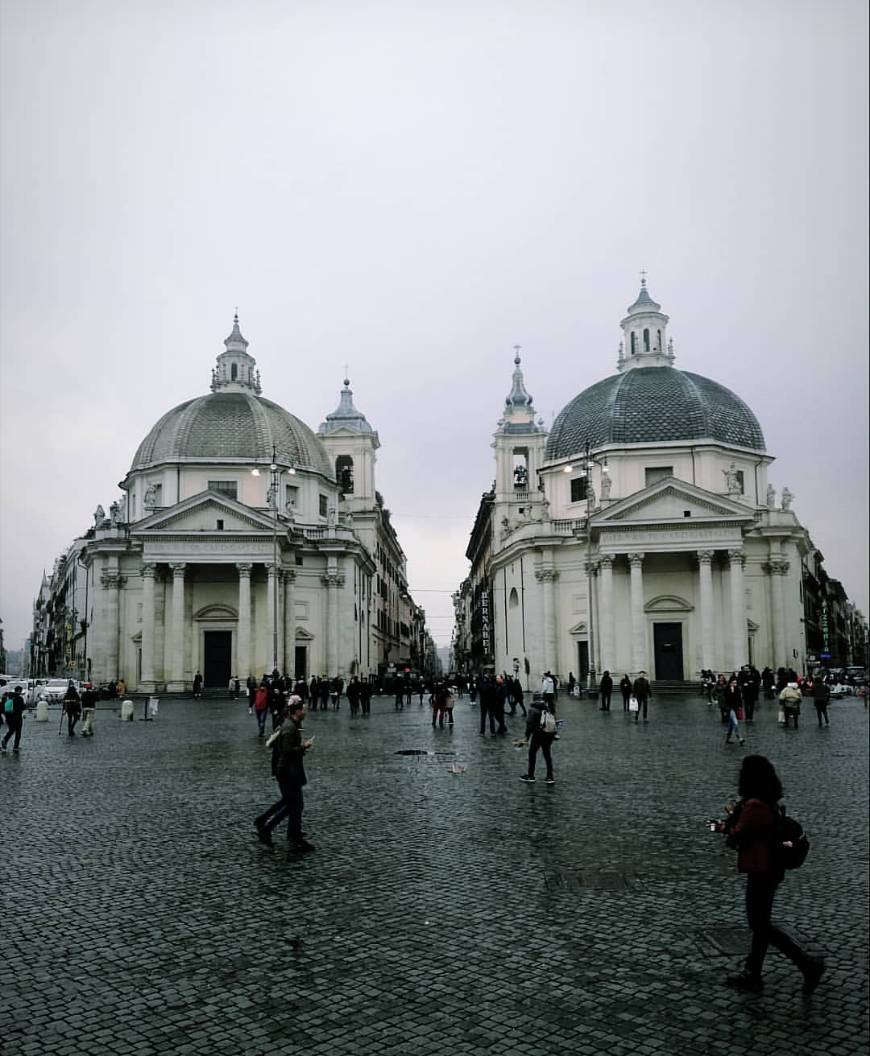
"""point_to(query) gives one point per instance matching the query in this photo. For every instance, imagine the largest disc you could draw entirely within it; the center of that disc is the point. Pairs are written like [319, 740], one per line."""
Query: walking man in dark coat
[642, 694]
[288, 750]
[605, 688]
[14, 719]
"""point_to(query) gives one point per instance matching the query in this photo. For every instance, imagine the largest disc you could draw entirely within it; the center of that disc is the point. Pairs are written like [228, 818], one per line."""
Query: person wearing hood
[751, 829]
[540, 734]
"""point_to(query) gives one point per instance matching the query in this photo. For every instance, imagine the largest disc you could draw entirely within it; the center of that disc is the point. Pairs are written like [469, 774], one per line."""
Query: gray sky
[413, 189]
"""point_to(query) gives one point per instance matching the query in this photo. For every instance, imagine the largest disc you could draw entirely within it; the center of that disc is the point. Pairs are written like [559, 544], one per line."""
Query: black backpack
[791, 845]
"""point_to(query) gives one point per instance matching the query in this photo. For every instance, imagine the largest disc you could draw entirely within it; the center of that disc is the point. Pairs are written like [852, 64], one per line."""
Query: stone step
[672, 687]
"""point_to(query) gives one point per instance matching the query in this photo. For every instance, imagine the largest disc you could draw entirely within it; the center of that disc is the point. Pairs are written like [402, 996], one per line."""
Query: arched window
[659, 346]
[521, 468]
[234, 371]
[513, 598]
[344, 474]
[633, 343]
[646, 340]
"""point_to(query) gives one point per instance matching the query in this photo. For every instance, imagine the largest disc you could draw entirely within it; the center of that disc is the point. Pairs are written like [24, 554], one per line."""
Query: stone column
[243, 630]
[738, 610]
[777, 568]
[333, 579]
[638, 630]
[176, 682]
[605, 614]
[148, 572]
[547, 578]
[112, 581]
[271, 616]
[705, 583]
[289, 622]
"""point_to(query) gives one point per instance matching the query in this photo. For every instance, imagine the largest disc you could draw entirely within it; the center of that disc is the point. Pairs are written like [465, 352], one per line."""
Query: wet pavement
[442, 912]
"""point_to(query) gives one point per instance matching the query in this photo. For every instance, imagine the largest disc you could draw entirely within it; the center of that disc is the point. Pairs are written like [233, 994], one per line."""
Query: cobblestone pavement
[441, 913]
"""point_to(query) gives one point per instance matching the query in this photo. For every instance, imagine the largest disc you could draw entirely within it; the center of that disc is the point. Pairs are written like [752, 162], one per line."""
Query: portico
[670, 565]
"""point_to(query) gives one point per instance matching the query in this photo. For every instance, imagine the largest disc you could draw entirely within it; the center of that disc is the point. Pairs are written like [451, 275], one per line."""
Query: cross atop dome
[236, 369]
[645, 341]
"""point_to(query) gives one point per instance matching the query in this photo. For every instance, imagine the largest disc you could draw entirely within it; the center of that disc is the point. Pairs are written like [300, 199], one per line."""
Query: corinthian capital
[636, 559]
[737, 556]
[705, 557]
[546, 575]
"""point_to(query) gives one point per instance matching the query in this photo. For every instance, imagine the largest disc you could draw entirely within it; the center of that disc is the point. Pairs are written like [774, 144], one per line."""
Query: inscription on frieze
[243, 549]
[686, 536]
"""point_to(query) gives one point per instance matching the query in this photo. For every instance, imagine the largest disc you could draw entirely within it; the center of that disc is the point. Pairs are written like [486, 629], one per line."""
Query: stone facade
[239, 546]
[642, 533]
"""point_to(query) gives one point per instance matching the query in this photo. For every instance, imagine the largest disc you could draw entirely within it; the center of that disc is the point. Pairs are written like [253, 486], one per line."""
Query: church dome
[226, 426]
[649, 401]
[234, 423]
[653, 405]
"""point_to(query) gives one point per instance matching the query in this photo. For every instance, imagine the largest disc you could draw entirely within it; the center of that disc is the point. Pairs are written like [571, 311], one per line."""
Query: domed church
[245, 542]
[640, 533]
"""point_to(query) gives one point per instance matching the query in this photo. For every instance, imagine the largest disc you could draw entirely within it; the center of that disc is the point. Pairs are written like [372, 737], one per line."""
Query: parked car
[54, 690]
[839, 689]
[9, 682]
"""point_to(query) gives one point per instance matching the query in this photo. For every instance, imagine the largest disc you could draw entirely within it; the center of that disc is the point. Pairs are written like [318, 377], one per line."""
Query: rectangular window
[291, 495]
[739, 475]
[220, 525]
[299, 559]
[654, 473]
[324, 506]
[225, 487]
[578, 489]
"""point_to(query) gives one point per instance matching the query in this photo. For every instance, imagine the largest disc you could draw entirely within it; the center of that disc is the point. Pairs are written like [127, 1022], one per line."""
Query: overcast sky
[412, 189]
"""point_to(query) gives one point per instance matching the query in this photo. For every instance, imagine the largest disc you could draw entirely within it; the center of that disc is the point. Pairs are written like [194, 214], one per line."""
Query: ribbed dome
[231, 425]
[651, 405]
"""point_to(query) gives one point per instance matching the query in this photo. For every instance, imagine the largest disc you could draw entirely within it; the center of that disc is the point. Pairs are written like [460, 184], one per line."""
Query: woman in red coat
[752, 828]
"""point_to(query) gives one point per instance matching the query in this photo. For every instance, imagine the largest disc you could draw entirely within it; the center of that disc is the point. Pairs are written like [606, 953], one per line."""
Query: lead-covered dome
[225, 426]
[653, 405]
[233, 423]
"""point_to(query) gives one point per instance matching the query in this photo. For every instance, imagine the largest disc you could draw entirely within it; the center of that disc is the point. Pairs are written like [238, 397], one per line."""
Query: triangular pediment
[200, 513]
[672, 500]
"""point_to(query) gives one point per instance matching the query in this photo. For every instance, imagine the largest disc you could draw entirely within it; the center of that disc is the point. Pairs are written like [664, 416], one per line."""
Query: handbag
[741, 714]
[781, 717]
[632, 704]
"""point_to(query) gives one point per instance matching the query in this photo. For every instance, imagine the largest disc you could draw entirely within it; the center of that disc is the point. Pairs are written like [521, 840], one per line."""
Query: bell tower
[351, 443]
[519, 443]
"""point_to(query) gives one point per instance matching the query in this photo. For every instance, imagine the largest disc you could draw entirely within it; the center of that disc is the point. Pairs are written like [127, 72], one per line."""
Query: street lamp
[272, 500]
[589, 463]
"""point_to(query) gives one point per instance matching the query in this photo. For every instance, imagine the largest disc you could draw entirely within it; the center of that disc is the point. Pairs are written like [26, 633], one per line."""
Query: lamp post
[272, 499]
[589, 463]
